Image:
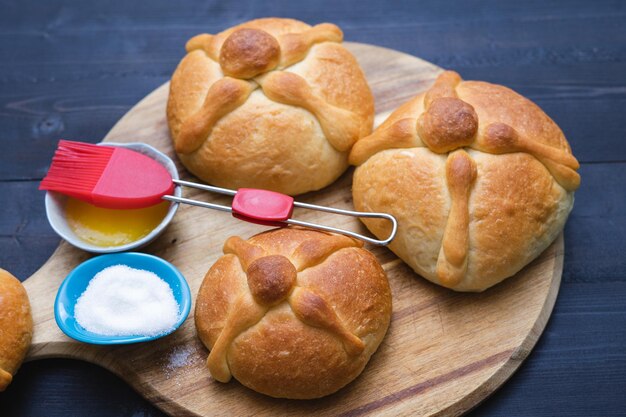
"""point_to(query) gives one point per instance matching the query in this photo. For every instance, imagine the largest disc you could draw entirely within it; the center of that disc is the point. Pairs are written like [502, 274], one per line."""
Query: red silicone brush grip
[262, 207]
[131, 180]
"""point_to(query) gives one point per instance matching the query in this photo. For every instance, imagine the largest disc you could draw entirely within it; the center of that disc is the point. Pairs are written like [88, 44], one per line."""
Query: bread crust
[293, 313]
[480, 179]
[16, 326]
[271, 103]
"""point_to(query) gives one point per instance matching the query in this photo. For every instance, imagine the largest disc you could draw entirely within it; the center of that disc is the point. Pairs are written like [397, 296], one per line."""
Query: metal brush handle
[225, 191]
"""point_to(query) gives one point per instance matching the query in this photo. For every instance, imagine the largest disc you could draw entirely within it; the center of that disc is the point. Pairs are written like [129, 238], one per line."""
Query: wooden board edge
[519, 355]
[464, 404]
[423, 62]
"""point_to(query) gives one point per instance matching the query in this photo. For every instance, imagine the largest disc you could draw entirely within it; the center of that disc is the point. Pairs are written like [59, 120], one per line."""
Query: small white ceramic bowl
[55, 207]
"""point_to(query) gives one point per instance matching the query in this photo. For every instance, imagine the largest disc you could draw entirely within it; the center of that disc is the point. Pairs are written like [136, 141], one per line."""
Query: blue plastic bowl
[76, 283]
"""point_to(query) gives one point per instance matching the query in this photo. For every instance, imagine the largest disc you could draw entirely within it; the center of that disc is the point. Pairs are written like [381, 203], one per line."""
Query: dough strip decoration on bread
[251, 58]
[499, 138]
[448, 125]
[223, 96]
[295, 46]
[398, 134]
[272, 280]
[452, 261]
[340, 126]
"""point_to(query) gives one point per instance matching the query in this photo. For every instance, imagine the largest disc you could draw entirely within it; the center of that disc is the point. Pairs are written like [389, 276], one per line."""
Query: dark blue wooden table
[72, 69]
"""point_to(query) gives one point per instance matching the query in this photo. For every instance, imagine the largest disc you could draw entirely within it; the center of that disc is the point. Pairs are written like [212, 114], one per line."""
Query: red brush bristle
[76, 168]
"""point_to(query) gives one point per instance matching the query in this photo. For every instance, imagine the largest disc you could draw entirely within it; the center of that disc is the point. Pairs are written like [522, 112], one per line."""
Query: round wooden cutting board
[444, 352]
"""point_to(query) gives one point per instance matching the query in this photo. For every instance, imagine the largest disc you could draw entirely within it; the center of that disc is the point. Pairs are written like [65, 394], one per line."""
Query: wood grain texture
[444, 353]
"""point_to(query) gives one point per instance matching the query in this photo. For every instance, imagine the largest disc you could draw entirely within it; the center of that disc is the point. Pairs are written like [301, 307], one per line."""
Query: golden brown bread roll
[16, 327]
[480, 180]
[271, 103]
[293, 313]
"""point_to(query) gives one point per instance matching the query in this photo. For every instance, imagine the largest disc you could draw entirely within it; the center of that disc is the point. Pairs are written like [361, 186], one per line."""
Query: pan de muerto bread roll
[480, 179]
[293, 313]
[271, 103]
[16, 327]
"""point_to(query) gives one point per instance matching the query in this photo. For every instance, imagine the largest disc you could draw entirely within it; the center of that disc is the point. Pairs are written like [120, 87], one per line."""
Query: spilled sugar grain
[180, 360]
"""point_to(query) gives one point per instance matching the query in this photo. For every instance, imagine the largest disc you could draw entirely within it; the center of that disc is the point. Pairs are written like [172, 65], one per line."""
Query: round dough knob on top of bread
[480, 180]
[292, 312]
[272, 103]
[16, 327]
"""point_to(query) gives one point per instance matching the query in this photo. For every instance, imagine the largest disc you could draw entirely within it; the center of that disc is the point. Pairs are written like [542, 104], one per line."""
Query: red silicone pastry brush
[107, 176]
[120, 178]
